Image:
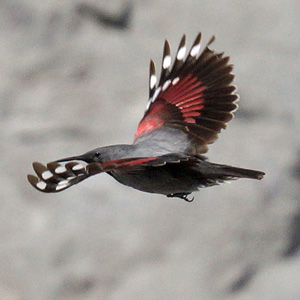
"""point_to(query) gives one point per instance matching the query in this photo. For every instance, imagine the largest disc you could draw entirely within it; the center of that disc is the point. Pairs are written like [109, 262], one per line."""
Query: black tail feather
[234, 172]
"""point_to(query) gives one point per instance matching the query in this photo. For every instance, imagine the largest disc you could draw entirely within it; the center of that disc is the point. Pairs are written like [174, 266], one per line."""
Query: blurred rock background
[72, 80]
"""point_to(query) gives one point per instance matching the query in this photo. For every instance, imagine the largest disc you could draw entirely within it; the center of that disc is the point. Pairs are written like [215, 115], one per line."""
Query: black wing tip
[152, 67]
[56, 177]
[152, 78]
[33, 180]
[38, 166]
[212, 39]
[198, 38]
[183, 40]
[167, 48]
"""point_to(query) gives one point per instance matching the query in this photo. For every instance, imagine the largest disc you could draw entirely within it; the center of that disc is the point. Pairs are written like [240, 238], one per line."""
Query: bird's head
[102, 154]
[88, 157]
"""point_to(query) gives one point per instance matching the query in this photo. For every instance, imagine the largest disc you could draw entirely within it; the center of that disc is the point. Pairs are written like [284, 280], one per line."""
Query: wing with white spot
[60, 175]
[195, 95]
[56, 177]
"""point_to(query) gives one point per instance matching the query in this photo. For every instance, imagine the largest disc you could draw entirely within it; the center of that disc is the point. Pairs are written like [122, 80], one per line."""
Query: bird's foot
[183, 196]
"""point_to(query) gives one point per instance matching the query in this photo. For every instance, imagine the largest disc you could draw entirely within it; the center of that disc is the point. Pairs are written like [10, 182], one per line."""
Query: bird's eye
[97, 154]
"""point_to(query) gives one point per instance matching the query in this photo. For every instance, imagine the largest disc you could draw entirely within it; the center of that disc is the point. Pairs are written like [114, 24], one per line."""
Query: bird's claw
[182, 196]
[185, 198]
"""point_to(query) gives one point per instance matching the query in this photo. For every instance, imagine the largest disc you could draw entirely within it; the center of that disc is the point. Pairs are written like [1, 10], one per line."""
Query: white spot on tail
[41, 185]
[46, 175]
[167, 62]
[60, 169]
[175, 80]
[181, 53]
[166, 84]
[195, 50]
[152, 81]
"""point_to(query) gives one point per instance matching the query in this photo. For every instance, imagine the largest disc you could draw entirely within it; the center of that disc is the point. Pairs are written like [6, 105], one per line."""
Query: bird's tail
[224, 172]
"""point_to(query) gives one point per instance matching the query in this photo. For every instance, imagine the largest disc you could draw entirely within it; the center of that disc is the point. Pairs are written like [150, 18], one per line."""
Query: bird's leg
[183, 196]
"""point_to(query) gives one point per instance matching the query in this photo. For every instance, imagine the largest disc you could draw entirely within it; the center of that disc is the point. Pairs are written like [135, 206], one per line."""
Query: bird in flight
[188, 106]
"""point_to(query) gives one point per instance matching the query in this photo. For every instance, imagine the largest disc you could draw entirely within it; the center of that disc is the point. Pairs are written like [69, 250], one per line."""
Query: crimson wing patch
[195, 95]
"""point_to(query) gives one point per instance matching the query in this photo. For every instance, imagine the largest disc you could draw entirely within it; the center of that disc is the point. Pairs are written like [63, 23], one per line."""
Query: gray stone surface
[68, 84]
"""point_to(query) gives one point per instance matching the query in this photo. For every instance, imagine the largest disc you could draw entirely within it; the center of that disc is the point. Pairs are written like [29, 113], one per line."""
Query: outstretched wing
[57, 176]
[194, 96]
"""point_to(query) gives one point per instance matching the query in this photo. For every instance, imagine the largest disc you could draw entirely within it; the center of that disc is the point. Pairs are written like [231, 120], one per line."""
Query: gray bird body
[186, 110]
